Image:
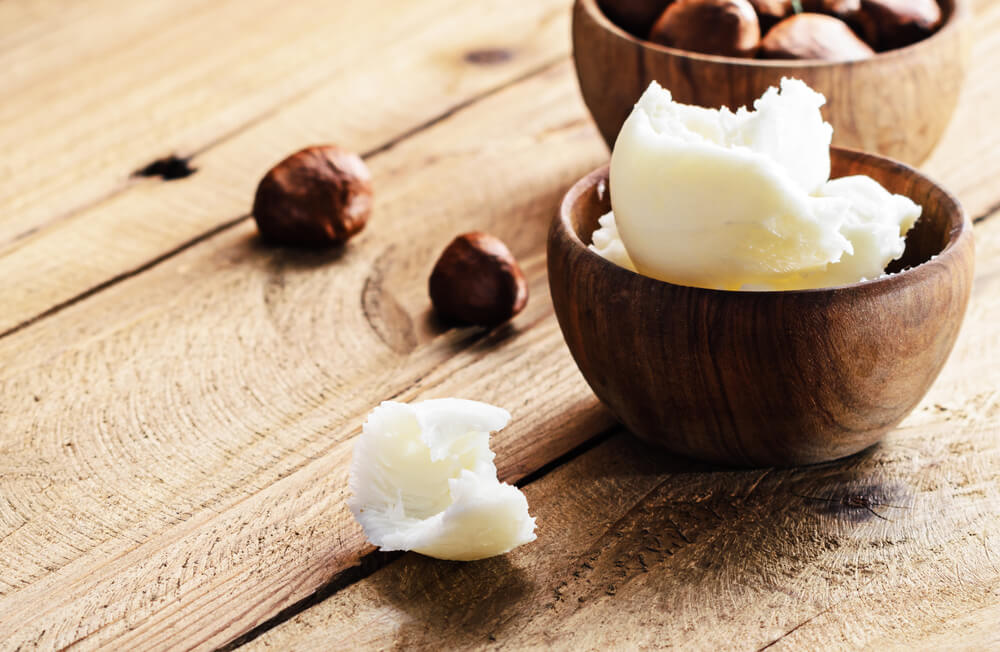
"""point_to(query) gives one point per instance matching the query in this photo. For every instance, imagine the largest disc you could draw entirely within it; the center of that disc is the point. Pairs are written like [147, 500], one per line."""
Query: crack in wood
[220, 228]
[987, 213]
[13, 243]
[808, 620]
[374, 561]
[461, 106]
[367, 565]
[757, 482]
[168, 168]
[567, 457]
[797, 627]
[118, 278]
[859, 503]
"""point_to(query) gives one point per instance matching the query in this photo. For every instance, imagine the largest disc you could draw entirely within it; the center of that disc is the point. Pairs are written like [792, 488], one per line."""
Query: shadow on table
[454, 604]
[671, 546]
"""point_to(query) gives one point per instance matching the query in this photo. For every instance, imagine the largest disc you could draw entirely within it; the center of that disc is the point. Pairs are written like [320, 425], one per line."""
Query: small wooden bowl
[897, 103]
[764, 378]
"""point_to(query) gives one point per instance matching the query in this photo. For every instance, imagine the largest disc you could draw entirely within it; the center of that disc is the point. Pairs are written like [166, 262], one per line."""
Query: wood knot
[489, 56]
[167, 168]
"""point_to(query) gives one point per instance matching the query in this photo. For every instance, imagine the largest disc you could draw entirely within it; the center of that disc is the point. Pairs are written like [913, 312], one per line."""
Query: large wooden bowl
[764, 378]
[897, 103]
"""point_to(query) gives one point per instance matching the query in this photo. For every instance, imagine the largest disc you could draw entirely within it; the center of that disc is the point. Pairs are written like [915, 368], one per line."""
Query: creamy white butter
[716, 199]
[423, 479]
[607, 243]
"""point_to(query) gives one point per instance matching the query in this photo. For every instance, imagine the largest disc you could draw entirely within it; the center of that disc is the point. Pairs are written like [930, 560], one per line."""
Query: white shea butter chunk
[876, 222]
[423, 479]
[607, 243]
[716, 199]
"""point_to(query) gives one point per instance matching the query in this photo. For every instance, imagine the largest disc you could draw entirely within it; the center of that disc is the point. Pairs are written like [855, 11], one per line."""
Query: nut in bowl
[896, 103]
[773, 377]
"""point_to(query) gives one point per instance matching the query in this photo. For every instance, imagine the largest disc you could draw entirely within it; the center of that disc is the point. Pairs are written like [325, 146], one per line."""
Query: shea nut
[477, 281]
[319, 196]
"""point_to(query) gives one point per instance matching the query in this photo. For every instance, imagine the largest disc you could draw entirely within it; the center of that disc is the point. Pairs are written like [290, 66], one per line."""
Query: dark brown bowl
[897, 103]
[764, 378]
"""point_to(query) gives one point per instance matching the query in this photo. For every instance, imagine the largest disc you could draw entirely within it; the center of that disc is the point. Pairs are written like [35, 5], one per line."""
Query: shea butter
[423, 479]
[607, 243]
[717, 199]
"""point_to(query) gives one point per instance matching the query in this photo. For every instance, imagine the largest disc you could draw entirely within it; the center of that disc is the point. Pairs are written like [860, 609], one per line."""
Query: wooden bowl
[897, 103]
[764, 378]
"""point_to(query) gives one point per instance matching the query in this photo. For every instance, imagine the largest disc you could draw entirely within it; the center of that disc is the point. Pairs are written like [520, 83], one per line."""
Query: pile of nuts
[829, 30]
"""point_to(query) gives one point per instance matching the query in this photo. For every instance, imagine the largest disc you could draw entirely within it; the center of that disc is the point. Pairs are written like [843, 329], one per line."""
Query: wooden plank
[173, 450]
[245, 441]
[121, 235]
[91, 100]
[637, 549]
[42, 34]
[308, 75]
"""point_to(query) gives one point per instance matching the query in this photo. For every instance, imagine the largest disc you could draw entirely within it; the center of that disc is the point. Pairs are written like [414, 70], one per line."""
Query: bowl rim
[960, 229]
[958, 14]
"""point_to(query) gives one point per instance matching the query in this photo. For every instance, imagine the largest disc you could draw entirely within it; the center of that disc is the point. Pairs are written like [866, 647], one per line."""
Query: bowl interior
[939, 225]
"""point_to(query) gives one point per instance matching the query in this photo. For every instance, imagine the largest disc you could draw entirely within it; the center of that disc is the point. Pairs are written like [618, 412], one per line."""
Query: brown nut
[778, 9]
[635, 16]
[477, 281]
[317, 197]
[813, 36]
[842, 9]
[723, 27]
[770, 12]
[888, 24]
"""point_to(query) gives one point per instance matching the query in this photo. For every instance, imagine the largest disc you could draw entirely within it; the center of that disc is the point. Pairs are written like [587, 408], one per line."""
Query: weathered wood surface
[173, 441]
[210, 394]
[72, 218]
[639, 549]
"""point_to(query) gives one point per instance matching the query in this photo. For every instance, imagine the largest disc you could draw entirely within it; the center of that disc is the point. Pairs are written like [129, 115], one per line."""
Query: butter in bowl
[789, 305]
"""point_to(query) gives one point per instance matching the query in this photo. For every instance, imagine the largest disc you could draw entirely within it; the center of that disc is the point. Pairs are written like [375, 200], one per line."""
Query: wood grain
[764, 378]
[173, 450]
[637, 549]
[318, 87]
[173, 441]
[121, 236]
[897, 104]
[94, 99]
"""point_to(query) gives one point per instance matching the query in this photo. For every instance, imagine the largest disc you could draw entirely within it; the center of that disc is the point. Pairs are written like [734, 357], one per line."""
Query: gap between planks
[241, 128]
[225, 226]
[376, 560]
[431, 69]
[943, 160]
[925, 451]
[300, 394]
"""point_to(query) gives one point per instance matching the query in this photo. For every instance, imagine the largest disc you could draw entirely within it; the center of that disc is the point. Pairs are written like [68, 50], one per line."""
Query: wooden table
[178, 400]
